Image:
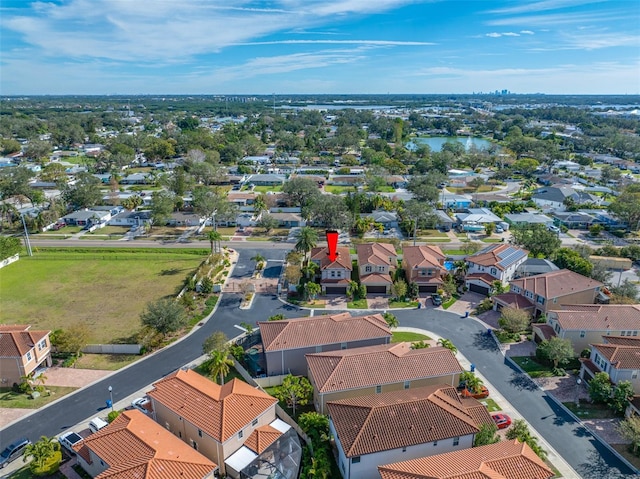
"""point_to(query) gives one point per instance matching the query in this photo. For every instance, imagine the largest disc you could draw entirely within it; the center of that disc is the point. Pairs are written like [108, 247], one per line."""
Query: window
[435, 443]
[194, 444]
[404, 449]
[494, 271]
[28, 355]
[367, 269]
[333, 274]
[378, 389]
[343, 345]
[540, 300]
[254, 422]
[167, 426]
[555, 300]
[355, 460]
[380, 269]
[407, 384]
[200, 432]
[583, 334]
[240, 434]
[338, 274]
[42, 344]
[318, 349]
[456, 440]
[635, 333]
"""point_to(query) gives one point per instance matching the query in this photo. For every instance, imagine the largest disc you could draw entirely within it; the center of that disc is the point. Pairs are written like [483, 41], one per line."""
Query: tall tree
[220, 364]
[301, 191]
[164, 315]
[447, 343]
[537, 239]
[514, 320]
[629, 428]
[627, 206]
[162, 205]
[295, 391]
[557, 350]
[214, 238]
[306, 240]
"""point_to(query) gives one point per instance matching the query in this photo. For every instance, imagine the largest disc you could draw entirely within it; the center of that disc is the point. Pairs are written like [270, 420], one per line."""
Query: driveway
[378, 302]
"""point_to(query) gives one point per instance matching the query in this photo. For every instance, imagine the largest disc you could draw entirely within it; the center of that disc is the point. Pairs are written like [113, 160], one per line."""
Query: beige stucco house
[334, 275]
[22, 351]
[424, 265]
[376, 263]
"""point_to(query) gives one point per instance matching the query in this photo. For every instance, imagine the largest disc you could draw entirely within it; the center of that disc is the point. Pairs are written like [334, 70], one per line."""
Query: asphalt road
[573, 442]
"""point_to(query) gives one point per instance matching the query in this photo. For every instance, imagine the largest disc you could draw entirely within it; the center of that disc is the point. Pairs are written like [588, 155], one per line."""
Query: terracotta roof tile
[514, 300]
[556, 283]
[377, 254]
[381, 422]
[619, 356]
[17, 340]
[376, 278]
[484, 277]
[423, 256]
[261, 438]
[134, 446]
[220, 411]
[343, 261]
[622, 340]
[383, 364]
[503, 460]
[600, 317]
[502, 256]
[337, 328]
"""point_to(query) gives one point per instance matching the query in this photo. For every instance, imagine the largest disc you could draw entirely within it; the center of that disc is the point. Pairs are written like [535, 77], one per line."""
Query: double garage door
[377, 289]
[479, 289]
[336, 290]
[432, 288]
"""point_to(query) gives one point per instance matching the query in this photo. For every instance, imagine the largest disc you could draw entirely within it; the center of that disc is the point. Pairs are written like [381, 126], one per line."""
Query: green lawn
[265, 189]
[453, 251]
[434, 240]
[357, 304]
[491, 405]
[107, 230]
[203, 370]
[105, 362]
[432, 234]
[10, 399]
[67, 230]
[105, 289]
[405, 336]
[25, 473]
[535, 369]
[587, 410]
[336, 190]
[403, 304]
[384, 189]
[447, 304]
[492, 240]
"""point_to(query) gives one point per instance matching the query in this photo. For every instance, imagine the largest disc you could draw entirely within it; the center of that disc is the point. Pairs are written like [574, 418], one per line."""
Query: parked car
[502, 420]
[553, 229]
[482, 393]
[58, 226]
[97, 423]
[13, 451]
[499, 229]
[141, 404]
[68, 440]
[436, 299]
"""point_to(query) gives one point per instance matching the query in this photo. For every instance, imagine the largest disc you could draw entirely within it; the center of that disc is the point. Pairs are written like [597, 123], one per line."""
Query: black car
[13, 451]
[436, 299]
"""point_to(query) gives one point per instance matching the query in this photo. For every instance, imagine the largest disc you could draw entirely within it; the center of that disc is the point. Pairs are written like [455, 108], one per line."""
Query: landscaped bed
[536, 369]
[105, 289]
[11, 399]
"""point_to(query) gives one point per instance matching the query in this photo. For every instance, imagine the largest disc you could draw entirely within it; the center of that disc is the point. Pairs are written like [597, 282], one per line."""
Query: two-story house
[357, 372]
[503, 460]
[286, 342]
[376, 263]
[401, 425]
[334, 275]
[21, 352]
[214, 420]
[424, 265]
[497, 262]
[133, 445]
[544, 292]
[618, 356]
[586, 324]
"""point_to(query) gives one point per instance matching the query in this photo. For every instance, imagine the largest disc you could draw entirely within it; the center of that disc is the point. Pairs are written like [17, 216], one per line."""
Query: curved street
[572, 441]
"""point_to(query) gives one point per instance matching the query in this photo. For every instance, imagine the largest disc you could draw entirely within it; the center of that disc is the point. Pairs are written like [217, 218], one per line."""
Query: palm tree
[391, 319]
[419, 345]
[312, 289]
[307, 239]
[471, 381]
[310, 270]
[260, 261]
[259, 204]
[446, 343]
[214, 238]
[461, 268]
[220, 364]
[42, 450]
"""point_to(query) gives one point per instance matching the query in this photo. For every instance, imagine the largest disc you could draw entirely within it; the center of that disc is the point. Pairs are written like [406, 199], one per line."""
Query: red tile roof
[383, 364]
[376, 278]
[514, 300]
[600, 317]
[424, 256]
[381, 422]
[496, 255]
[261, 438]
[623, 340]
[17, 340]
[619, 356]
[135, 446]
[556, 283]
[502, 460]
[220, 411]
[331, 329]
[343, 261]
[484, 277]
[377, 254]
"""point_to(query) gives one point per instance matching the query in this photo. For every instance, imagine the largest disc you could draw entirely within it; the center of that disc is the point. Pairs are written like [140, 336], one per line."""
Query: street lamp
[111, 396]
[578, 382]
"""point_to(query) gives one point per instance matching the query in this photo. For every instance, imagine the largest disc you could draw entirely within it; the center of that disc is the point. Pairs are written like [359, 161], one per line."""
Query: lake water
[436, 142]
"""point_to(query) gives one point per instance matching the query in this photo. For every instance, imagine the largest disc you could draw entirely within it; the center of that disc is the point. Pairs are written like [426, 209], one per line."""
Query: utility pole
[26, 236]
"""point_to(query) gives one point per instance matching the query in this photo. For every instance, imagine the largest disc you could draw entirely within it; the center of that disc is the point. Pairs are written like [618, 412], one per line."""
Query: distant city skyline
[230, 47]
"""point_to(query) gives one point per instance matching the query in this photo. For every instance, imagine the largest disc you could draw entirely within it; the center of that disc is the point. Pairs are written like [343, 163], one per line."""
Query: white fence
[112, 348]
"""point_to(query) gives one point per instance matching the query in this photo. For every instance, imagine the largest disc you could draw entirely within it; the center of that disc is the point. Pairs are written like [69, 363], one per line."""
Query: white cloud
[494, 35]
[339, 42]
[527, 32]
[505, 34]
[543, 6]
[511, 34]
[569, 18]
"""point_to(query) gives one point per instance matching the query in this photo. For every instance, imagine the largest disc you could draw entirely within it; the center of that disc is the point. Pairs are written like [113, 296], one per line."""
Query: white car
[68, 440]
[141, 404]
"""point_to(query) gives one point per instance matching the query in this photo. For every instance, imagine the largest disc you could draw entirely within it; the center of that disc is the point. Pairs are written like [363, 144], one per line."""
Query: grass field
[105, 289]
[403, 304]
[8, 398]
[357, 304]
[587, 410]
[266, 189]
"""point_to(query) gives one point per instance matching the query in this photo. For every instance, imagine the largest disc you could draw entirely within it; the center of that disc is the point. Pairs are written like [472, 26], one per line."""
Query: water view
[436, 142]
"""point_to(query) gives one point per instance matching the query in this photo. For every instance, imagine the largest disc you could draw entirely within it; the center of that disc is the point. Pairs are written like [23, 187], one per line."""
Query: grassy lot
[587, 410]
[8, 398]
[492, 240]
[384, 189]
[469, 190]
[25, 473]
[453, 251]
[403, 304]
[535, 369]
[336, 190]
[405, 336]
[357, 304]
[105, 289]
[429, 239]
[67, 230]
[105, 362]
[491, 405]
[265, 189]
[432, 233]
[317, 304]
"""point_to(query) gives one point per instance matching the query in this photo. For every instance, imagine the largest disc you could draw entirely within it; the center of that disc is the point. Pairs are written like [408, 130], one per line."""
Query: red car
[502, 420]
[482, 393]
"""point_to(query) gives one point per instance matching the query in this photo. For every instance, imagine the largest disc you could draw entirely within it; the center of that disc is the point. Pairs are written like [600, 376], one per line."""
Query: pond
[436, 142]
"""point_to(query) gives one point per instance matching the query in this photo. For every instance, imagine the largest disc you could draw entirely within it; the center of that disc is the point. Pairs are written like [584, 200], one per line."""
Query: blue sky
[318, 46]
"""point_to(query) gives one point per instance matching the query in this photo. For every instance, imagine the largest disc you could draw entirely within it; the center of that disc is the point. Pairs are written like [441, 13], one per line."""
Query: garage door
[479, 289]
[428, 289]
[377, 289]
[336, 290]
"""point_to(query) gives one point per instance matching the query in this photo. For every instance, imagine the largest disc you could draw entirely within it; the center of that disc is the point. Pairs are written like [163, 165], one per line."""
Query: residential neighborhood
[341, 297]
